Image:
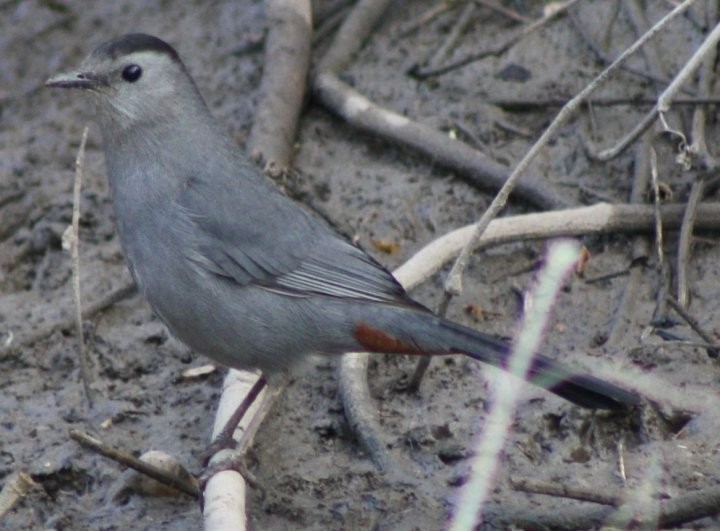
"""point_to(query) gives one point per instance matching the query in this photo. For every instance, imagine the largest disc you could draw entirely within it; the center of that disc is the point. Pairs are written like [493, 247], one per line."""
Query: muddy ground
[315, 473]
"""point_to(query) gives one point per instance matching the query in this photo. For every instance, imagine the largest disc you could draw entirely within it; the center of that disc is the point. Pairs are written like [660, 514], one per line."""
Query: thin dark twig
[612, 152]
[639, 21]
[693, 323]
[608, 276]
[424, 73]
[129, 460]
[604, 57]
[511, 14]
[520, 104]
[560, 490]
[423, 363]
[453, 36]
[329, 25]
[427, 17]
[323, 11]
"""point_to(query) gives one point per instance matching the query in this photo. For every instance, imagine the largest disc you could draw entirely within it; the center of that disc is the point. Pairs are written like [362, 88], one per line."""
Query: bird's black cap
[135, 42]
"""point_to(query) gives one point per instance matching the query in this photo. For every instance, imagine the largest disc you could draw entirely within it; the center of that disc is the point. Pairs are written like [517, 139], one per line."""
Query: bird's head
[135, 79]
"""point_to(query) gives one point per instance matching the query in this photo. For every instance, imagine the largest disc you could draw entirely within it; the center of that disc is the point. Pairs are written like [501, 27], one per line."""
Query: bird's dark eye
[131, 73]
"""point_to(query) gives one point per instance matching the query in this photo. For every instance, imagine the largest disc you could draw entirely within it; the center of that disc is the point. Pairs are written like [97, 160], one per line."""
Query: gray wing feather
[254, 235]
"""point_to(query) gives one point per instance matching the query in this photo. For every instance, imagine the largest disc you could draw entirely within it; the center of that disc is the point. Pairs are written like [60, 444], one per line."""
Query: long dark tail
[581, 389]
[417, 332]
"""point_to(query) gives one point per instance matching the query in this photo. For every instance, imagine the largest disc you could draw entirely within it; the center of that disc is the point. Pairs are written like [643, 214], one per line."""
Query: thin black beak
[81, 80]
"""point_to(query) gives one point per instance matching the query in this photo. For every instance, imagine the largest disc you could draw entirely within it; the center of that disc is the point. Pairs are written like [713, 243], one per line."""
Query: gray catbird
[233, 267]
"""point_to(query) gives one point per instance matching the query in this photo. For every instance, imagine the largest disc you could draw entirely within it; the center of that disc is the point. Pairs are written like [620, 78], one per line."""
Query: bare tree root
[287, 59]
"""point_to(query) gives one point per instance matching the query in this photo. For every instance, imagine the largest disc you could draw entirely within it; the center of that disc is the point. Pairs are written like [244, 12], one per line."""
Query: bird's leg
[413, 384]
[225, 438]
[228, 453]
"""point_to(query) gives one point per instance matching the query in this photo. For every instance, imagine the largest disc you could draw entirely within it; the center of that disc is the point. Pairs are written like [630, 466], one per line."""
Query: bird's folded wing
[276, 244]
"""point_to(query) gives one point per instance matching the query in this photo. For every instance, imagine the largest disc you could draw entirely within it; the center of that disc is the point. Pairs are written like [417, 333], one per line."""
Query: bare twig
[323, 11]
[639, 21]
[129, 460]
[426, 17]
[714, 348]
[72, 241]
[560, 490]
[518, 104]
[453, 284]
[672, 513]
[329, 25]
[689, 507]
[452, 37]
[601, 218]
[423, 363]
[612, 152]
[698, 144]
[422, 73]
[511, 14]
[604, 57]
[251, 423]
[472, 165]
[287, 59]
[621, 461]
[670, 93]
[361, 21]
[685, 242]
[357, 401]
[363, 113]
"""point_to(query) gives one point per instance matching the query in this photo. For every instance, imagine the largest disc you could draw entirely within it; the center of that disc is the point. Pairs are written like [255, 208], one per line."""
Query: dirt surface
[315, 473]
